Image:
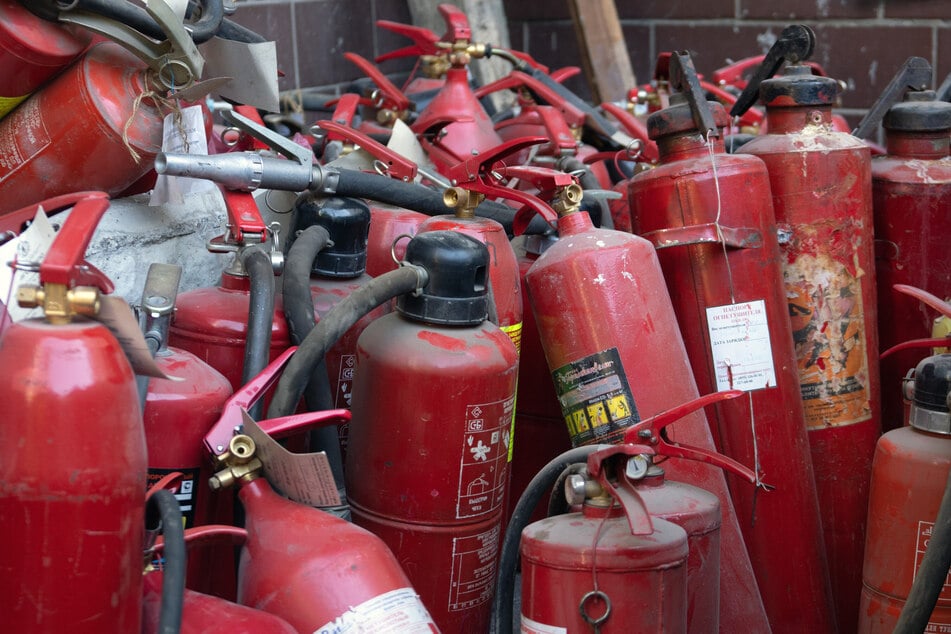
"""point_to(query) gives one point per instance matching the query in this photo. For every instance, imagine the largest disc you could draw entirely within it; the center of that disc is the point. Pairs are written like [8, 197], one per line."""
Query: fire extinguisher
[605, 320]
[32, 51]
[911, 187]
[109, 96]
[909, 476]
[72, 493]
[559, 567]
[822, 195]
[437, 381]
[710, 216]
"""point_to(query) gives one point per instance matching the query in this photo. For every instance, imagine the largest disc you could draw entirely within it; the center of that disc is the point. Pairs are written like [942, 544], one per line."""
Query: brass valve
[463, 201]
[241, 463]
[434, 66]
[60, 304]
[567, 200]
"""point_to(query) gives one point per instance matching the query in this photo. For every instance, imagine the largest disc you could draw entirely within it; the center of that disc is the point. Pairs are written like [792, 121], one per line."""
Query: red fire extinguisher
[710, 216]
[109, 97]
[32, 50]
[911, 187]
[558, 565]
[822, 195]
[606, 321]
[437, 381]
[72, 491]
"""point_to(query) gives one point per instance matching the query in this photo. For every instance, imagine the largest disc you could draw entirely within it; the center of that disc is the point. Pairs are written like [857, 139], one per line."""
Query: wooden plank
[604, 54]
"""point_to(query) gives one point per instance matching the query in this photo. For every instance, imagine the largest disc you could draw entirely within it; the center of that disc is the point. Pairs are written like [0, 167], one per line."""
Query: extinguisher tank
[909, 475]
[427, 465]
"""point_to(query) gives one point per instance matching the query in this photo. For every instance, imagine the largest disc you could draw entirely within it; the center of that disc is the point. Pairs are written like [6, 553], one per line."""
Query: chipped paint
[600, 279]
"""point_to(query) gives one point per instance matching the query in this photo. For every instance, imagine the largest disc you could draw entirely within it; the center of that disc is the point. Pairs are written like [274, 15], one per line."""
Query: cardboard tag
[30, 246]
[116, 315]
[174, 189]
[305, 478]
[253, 67]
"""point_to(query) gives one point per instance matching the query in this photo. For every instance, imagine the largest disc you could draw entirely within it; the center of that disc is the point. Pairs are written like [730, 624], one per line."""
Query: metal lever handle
[65, 262]
[795, 44]
[398, 166]
[397, 100]
[683, 77]
[280, 144]
[424, 40]
[457, 24]
[914, 74]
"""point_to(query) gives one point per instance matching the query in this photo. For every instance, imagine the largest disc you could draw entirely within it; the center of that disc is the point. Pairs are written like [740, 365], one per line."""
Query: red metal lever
[243, 215]
[932, 301]
[393, 97]
[457, 24]
[218, 437]
[345, 110]
[424, 40]
[636, 128]
[398, 166]
[65, 262]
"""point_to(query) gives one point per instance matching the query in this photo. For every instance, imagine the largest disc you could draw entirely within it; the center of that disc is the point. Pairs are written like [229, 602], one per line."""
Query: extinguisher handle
[732, 74]
[424, 40]
[926, 298]
[636, 128]
[752, 117]
[457, 24]
[914, 74]
[65, 262]
[245, 224]
[609, 468]
[345, 110]
[397, 165]
[683, 77]
[573, 115]
[295, 423]
[795, 44]
[913, 344]
[269, 138]
[393, 97]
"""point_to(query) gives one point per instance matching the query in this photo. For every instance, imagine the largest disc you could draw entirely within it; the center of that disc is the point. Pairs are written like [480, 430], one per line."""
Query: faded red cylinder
[911, 191]
[909, 476]
[69, 136]
[31, 51]
[566, 557]
[72, 481]
[710, 216]
[384, 243]
[427, 465]
[319, 572]
[821, 185]
[607, 324]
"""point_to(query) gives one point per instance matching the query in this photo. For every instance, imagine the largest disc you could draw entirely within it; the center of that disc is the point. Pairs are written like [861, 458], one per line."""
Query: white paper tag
[30, 246]
[740, 346]
[398, 611]
[251, 67]
[174, 189]
[305, 478]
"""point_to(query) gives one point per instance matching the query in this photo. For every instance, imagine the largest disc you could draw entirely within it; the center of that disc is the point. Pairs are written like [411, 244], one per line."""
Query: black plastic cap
[919, 112]
[347, 220]
[932, 383]
[798, 87]
[458, 267]
[677, 118]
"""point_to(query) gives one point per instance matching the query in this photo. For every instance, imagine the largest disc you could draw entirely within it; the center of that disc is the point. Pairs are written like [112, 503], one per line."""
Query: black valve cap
[798, 87]
[677, 118]
[932, 383]
[919, 112]
[456, 293]
[347, 220]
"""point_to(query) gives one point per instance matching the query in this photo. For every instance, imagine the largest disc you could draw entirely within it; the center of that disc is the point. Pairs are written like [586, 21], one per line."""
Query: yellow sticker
[515, 334]
[9, 103]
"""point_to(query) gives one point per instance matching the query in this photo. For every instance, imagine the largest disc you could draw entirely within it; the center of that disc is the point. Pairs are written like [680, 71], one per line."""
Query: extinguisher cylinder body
[566, 557]
[821, 185]
[606, 322]
[911, 191]
[710, 215]
[387, 225]
[72, 467]
[72, 135]
[319, 572]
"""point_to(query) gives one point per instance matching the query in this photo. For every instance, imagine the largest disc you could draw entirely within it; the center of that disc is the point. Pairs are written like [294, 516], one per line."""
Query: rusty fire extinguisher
[710, 216]
[110, 97]
[911, 189]
[605, 316]
[822, 195]
[435, 379]
[72, 489]
[557, 559]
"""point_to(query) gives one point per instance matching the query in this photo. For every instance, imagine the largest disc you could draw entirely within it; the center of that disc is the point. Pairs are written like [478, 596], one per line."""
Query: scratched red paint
[442, 341]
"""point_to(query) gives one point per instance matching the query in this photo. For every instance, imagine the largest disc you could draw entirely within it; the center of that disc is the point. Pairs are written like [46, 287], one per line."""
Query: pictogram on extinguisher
[911, 187]
[822, 196]
[73, 488]
[709, 214]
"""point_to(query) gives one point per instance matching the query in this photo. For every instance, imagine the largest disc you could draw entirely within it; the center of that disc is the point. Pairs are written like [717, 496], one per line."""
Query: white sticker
[534, 627]
[251, 67]
[30, 247]
[181, 135]
[475, 560]
[305, 478]
[740, 346]
[483, 471]
[394, 612]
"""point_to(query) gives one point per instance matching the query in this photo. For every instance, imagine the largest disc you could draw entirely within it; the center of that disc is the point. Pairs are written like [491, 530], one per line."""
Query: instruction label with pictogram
[484, 465]
[474, 562]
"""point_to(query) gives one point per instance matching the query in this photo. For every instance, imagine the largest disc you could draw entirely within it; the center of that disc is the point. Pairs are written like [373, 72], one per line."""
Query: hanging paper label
[595, 398]
[24, 137]
[740, 346]
[184, 134]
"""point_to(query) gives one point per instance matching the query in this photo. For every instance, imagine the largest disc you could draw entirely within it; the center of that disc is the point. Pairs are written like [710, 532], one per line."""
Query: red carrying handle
[65, 262]
[398, 166]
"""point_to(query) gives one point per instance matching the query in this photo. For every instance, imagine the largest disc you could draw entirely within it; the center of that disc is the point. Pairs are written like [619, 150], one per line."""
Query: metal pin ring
[393, 247]
[594, 621]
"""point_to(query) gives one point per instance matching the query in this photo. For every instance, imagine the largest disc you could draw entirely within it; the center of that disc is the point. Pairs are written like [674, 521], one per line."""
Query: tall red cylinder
[821, 185]
[611, 340]
[710, 215]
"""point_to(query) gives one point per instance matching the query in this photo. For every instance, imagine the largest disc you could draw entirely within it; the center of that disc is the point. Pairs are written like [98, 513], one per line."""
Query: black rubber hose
[231, 30]
[299, 311]
[207, 26]
[412, 196]
[502, 612]
[331, 327]
[163, 504]
[257, 347]
[588, 180]
[932, 575]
